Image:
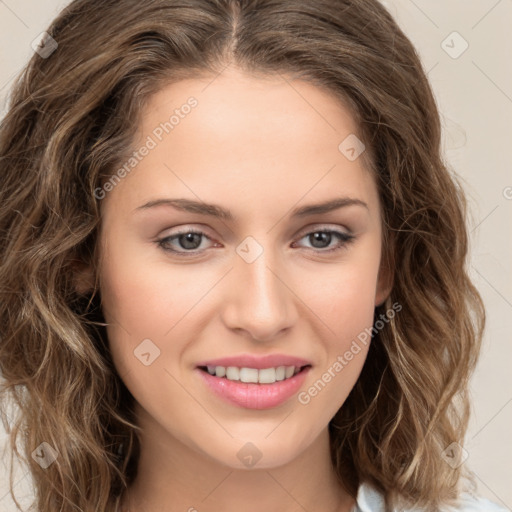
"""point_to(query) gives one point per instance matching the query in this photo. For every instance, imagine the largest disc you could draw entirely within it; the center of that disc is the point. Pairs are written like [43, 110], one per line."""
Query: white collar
[369, 499]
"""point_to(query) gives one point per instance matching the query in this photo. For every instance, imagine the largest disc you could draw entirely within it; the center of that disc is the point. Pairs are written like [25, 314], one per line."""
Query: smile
[255, 383]
[253, 375]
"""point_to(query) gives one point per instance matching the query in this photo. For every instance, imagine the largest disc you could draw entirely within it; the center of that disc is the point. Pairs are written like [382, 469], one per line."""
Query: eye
[188, 239]
[187, 242]
[323, 238]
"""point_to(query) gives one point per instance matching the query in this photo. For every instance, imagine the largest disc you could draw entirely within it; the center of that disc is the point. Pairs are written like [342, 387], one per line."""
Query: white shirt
[370, 500]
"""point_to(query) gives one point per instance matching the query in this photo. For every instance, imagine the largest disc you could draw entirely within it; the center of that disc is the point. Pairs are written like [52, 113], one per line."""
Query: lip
[258, 362]
[252, 395]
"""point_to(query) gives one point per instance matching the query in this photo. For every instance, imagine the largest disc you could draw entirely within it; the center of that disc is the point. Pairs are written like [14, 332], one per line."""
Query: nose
[260, 302]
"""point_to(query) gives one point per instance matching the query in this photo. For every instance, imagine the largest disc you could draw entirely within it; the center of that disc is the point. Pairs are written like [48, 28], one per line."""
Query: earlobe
[384, 284]
[386, 275]
[83, 277]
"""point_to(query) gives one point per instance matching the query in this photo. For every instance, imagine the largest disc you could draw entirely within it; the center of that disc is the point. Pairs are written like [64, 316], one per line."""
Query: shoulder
[370, 500]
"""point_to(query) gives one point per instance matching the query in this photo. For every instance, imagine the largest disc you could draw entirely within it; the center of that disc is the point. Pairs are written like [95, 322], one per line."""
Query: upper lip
[258, 362]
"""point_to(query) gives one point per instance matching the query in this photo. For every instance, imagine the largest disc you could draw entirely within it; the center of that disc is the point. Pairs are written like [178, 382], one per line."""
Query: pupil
[317, 237]
[187, 240]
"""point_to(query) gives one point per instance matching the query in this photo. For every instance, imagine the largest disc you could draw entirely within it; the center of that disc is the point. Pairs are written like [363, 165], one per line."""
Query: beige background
[474, 93]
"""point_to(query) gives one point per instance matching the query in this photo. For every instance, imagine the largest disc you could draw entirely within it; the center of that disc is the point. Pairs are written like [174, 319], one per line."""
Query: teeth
[290, 370]
[267, 376]
[249, 374]
[280, 372]
[220, 371]
[263, 376]
[232, 373]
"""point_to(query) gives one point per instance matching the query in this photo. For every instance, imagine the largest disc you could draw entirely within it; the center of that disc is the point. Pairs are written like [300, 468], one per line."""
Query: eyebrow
[213, 210]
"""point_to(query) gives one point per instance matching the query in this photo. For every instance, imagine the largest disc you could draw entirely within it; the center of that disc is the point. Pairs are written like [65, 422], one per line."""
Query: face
[258, 286]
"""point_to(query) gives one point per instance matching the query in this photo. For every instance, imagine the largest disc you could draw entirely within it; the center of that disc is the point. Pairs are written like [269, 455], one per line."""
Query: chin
[258, 452]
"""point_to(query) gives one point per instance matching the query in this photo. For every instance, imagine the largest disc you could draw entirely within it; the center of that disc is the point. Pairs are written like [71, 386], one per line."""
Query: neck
[172, 477]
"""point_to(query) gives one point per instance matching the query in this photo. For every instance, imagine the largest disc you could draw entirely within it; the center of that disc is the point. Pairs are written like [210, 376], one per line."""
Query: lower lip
[252, 395]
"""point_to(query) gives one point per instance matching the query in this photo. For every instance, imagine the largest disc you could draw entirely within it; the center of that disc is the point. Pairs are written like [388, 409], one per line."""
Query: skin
[260, 147]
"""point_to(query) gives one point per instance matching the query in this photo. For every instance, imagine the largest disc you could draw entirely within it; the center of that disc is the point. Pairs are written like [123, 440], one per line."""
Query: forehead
[237, 137]
[242, 106]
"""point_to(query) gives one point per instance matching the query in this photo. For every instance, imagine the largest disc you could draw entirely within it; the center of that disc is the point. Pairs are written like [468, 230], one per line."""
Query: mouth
[254, 388]
[254, 375]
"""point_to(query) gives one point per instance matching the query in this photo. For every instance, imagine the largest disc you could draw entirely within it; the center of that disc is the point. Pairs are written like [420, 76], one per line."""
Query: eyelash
[344, 240]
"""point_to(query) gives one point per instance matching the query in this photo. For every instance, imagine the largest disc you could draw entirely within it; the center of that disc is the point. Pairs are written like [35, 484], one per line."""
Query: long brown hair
[71, 120]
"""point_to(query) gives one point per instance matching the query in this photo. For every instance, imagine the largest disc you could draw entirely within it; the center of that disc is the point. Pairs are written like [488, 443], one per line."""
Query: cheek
[346, 308]
[143, 296]
[133, 307]
[343, 295]
[144, 299]
[344, 300]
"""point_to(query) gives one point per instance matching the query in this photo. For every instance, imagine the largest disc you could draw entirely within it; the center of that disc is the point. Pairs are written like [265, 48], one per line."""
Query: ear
[384, 285]
[385, 280]
[83, 276]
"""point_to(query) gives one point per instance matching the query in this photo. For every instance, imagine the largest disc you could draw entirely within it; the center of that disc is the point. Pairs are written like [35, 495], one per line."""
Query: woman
[175, 333]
